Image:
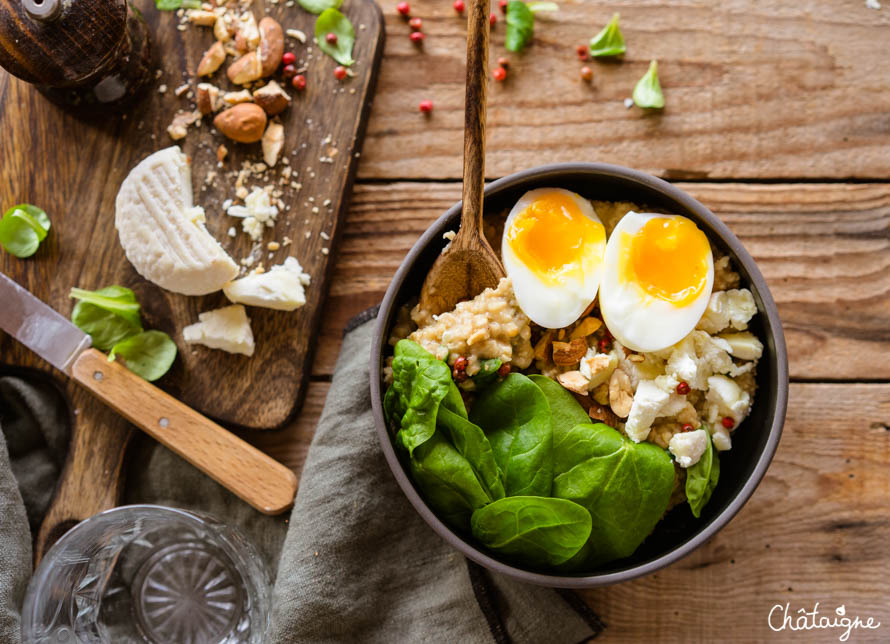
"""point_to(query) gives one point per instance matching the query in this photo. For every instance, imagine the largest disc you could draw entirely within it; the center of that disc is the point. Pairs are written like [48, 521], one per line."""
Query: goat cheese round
[163, 233]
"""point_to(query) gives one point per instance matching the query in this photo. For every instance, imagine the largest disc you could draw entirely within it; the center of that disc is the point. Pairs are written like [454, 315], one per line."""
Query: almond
[569, 353]
[245, 70]
[273, 141]
[223, 29]
[233, 98]
[587, 326]
[603, 414]
[201, 17]
[213, 58]
[208, 99]
[621, 397]
[271, 46]
[272, 98]
[245, 122]
[247, 32]
[573, 381]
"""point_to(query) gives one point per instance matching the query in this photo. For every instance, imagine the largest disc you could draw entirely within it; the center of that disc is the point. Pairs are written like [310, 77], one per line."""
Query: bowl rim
[740, 255]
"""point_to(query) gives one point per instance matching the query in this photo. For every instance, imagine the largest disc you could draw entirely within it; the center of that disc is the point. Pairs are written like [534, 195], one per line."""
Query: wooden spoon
[469, 265]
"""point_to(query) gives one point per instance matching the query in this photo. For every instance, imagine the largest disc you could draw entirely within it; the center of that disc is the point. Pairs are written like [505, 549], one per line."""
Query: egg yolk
[555, 240]
[668, 259]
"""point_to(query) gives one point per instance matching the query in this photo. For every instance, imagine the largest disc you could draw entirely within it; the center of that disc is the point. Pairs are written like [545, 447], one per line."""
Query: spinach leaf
[565, 413]
[520, 25]
[487, 374]
[317, 6]
[332, 21]
[515, 416]
[118, 300]
[447, 481]
[701, 479]
[648, 92]
[537, 531]
[470, 442]
[149, 354]
[104, 327]
[608, 42]
[22, 229]
[421, 383]
[392, 409]
[624, 485]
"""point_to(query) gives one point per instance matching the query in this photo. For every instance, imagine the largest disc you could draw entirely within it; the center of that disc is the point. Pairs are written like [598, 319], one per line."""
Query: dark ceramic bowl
[753, 445]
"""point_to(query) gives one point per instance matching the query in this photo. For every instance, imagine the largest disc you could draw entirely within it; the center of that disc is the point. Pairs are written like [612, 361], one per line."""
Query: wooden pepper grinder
[81, 53]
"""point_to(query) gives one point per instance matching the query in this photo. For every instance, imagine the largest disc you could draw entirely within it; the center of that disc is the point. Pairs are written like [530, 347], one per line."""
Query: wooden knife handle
[247, 472]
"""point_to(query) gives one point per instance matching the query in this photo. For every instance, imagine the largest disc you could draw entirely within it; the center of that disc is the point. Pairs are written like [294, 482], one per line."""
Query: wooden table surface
[778, 119]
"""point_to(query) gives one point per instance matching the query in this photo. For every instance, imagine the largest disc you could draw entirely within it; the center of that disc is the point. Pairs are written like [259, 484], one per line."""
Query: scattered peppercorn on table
[775, 117]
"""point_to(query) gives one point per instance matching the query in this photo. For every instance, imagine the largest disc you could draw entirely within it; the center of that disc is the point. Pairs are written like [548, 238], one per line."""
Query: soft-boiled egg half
[552, 249]
[658, 280]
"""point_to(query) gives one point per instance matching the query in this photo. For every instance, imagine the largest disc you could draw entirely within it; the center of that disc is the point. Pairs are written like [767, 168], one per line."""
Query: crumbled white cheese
[743, 345]
[726, 398]
[688, 447]
[281, 287]
[732, 308]
[227, 328]
[598, 367]
[257, 211]
[720, 437]
[649, 398]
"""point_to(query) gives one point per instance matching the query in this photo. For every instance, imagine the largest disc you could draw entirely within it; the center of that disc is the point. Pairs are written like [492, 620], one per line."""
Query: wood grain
[817, 529]
[73, 168]
[753, 90]
[245, 471]
[823, 248]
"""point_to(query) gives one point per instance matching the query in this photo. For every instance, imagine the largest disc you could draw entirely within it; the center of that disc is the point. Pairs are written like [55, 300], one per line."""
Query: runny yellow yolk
[555, 240]
[668, 259]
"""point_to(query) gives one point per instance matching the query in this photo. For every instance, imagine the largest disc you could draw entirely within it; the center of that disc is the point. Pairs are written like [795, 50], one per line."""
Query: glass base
[188, 593]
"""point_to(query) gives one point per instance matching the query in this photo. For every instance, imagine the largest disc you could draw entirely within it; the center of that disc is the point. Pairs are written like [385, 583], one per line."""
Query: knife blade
[254, 476]
[39, 327]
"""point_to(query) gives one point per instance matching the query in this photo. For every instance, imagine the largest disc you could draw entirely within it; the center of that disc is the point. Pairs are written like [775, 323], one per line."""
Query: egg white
[636, 319]
[551, 307]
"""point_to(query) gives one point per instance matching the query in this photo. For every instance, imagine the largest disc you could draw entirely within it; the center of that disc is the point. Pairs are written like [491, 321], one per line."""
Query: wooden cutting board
[72, 166]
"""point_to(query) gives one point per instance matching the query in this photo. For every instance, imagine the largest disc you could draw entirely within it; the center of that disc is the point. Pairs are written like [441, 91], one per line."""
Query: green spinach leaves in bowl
[525, 472]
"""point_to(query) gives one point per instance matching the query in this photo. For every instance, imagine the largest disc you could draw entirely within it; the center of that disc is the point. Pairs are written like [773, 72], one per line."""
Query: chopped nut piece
[296, 34]
[573, 381]
[208, 98]
[272, 98]
[587, 326]
[273, 141]
[221, 153]
[621, 397]
[542, 348]
[182, 89]
[246, 69]
[201, 17]
[179, 127]
[223, 28]
[569, 353]
[212, 60]
[603, 414]
[273, 245]
[601, 394]
[233, 98]
[635, 357]
[271, 45]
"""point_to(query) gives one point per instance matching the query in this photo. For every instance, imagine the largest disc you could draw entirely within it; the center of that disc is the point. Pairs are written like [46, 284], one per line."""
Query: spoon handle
[474, 125]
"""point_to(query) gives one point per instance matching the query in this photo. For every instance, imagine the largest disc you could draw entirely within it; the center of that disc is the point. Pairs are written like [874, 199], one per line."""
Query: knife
[244, 470]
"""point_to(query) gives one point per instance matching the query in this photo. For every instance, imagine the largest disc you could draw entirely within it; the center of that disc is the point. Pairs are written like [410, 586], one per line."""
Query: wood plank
[73, 167]
[823, 249]
[817, 529]
[753, 89]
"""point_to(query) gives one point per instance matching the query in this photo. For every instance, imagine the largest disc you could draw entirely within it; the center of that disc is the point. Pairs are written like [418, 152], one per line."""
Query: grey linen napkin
[355, 561]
